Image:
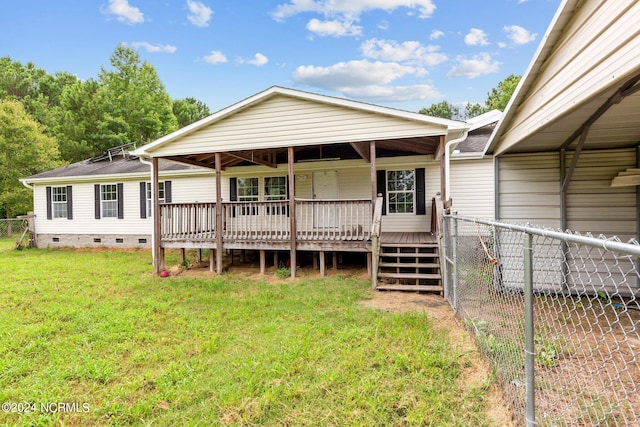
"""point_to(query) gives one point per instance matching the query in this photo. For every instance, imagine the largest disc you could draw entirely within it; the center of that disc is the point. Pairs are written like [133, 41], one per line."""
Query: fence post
[529, 329]
[444, 256]
[454, 257]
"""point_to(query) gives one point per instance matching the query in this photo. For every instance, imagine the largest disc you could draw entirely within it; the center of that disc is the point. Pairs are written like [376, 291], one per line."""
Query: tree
[136, 105]
[189, 110]
[24, 150]
[498, 97]
[473, 110]
[442, 109]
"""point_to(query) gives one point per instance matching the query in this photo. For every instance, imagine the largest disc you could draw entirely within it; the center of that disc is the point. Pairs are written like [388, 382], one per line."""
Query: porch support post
[218, 213]
[212, 259]
[262, 261]
[292, 210]
[158, 253]
[374, 175]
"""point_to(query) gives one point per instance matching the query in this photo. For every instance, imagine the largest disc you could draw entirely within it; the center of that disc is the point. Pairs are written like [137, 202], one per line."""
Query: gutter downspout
[447, 164]
[146, 162]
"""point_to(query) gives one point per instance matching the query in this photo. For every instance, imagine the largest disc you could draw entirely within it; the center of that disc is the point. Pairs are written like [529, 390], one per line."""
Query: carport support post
[292, 209]
[218, 213]
[158, 253]
[528, 330]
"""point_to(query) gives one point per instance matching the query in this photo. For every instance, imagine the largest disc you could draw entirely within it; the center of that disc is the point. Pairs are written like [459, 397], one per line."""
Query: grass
[95, 328]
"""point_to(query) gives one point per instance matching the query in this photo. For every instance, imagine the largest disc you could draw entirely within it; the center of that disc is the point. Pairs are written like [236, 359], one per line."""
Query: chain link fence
[12, 227]
[557, 314]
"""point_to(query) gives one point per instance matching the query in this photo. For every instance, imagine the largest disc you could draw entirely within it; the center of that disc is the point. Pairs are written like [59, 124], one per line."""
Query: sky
[405, 54]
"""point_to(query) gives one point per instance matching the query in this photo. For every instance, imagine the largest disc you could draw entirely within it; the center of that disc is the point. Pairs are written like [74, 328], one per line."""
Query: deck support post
[262, 261]
[322, 264]
[315, 260]
[335, 260]
[158, 253]
[212, 260]
[218, 213]
[183, 255]
[292, 209]
[275, 259]
[369, 260]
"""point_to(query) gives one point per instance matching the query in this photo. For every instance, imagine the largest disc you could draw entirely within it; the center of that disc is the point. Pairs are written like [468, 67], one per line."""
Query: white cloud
[216, 57]
[334, 28]
[344, 75]
[258, 60]
[124, 12]
[350, 9]
[410, 52]
[436, 34]
[476, 37]
[375, 93]
[519, 35]
[154, 48]
[199, 13]
[477, 65]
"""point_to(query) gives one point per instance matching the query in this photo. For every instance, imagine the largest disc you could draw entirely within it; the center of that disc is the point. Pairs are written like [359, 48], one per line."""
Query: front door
[325, 187]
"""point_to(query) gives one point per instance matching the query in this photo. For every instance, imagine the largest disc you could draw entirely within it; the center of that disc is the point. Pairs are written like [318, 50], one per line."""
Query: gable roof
[584, 74]
[280, 117]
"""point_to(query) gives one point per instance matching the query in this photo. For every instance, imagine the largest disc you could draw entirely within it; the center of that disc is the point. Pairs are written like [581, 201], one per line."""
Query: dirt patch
[478, 372]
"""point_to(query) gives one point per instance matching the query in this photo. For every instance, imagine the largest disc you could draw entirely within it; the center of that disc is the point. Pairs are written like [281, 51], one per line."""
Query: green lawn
[128, 348]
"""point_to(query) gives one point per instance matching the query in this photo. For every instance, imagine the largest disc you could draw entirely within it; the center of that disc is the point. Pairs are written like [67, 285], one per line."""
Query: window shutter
[69, 202]
[49, 208]
[382, 189]
[120, 201]
[421, 208]
[167, 191]
[143, 200]
[96, 193]
[233, 189]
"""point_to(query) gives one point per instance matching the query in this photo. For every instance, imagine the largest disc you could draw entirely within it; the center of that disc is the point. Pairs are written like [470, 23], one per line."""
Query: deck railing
[316, 220]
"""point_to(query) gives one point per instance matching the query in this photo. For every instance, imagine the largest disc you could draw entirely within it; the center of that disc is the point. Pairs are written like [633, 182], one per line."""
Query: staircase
[409, 267]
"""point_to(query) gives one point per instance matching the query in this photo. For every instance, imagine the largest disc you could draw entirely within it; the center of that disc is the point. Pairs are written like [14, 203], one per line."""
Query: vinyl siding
[283, 121]
[471, 184]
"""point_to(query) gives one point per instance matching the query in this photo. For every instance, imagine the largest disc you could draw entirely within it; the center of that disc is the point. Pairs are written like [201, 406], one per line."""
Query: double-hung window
[161, 197]
[59, 201]
[248, 190]
[109, 200]
[275, 188]
[401, 188]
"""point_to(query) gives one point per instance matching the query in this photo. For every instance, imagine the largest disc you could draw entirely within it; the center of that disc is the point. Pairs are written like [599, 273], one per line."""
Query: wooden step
[408, 255]
[408, 245]
[431, 276]
[413, 288]
[409, 265]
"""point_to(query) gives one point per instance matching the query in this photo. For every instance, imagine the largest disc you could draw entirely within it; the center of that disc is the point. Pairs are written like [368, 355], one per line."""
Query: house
[106, 201]
[302, 172]
[567, 150]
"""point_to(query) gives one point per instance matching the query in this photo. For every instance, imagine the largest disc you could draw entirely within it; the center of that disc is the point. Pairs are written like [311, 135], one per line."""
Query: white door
[325, 186]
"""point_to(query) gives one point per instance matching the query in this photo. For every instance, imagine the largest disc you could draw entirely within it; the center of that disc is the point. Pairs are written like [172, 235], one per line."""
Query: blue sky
[403, 54]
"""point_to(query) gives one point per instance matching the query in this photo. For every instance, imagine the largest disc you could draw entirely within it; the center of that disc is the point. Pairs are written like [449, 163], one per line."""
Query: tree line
[49, 120]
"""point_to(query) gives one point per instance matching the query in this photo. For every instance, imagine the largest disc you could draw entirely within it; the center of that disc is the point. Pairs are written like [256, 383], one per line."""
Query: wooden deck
[407, 239]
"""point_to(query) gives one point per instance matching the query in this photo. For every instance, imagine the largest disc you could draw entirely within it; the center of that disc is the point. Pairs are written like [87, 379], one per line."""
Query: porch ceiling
[272, 157]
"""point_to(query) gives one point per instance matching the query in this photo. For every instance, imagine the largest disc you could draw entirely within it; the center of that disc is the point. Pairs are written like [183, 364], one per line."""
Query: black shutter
[143, 200]
[120, 201]
[421, 208]
[233, 189]
[49, 208]
[96, 194]
[381, 180]
[69, 202]
[167, 191]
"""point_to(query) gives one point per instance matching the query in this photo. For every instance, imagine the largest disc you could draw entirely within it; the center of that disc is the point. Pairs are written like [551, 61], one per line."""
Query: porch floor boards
[406, 238]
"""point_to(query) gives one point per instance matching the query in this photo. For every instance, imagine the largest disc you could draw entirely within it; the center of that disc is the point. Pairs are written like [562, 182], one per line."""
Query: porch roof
[259, 130]
[584, 76]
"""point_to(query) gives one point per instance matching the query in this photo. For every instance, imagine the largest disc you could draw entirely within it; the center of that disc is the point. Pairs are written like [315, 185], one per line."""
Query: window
[161, 197]
[59, 201]
[275, 188]
[109, 200]
[401, 191]
[247, 189]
